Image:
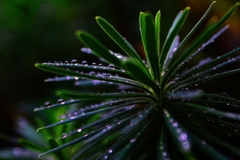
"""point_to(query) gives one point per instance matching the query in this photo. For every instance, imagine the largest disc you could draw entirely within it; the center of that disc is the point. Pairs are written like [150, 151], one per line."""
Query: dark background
[44, 30]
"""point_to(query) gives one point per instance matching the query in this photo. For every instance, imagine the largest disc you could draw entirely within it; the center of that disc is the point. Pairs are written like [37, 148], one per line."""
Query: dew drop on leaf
[110, 151]
[17, 151]
[94, 65]
[64, 135]
[86, 50]
[61, 101]
[47, 103]
[164, 154]
[111, 66]
[84, 63]
[183, 136]
[85, 134]
[92, 73]
[132, 140]
[79, 130]
[100, 65]
[74, 61]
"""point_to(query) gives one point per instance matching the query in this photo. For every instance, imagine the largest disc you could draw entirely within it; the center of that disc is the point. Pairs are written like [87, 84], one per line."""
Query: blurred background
[34, 31]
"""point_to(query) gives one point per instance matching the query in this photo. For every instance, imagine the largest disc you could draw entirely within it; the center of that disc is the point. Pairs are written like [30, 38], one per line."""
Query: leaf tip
[77, 32]
[40, 155]
[37, 65]
[97, 17]
[187, 8]
[39, 129]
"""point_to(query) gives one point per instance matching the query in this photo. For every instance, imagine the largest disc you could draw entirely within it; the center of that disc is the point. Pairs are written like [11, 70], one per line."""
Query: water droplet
[47, 103]
[100, 65]
[82, 113]
[123, 91]
[74, 61]
[17, 152]
[84, 63]
[163, 73]
[92, 73]
[111, 66]
[61, 101]
[85, 134]
[75, 113]
[63, 116]
[64, 135]
[178, 130]
[186, 145]
[123, 70]
[72, 117]
[164, 154]
[79, 130]
[132, 140]
[118, 55]
[108, 126]
[86, 50]
[183, 136]
[106, 75]
[110, 151]
[175, 124]
[94, 65]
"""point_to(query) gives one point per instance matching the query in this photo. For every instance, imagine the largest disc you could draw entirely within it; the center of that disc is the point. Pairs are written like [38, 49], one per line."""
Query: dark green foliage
[162, 115]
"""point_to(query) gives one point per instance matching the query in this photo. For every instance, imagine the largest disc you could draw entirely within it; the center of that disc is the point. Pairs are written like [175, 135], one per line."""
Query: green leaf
[87, 114]
[158, 30]
[133, 142]
[176, 26]
[207, 78]
[58, 153]
[57, 148]
[200, 40]
[30, 145]
[90, 68]
[122, 42]
[87, 95]
[93, 140]
[150, 45]
[192, 32]
[140, 75]
[213, 111]
[181, 137]
[162, 150]
[103, 120]
[98, 48]
[211, 63]
[216, 140]
[207, 149]
[62, 71]
[118, 145]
